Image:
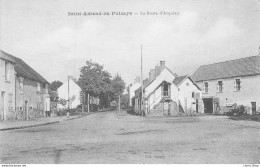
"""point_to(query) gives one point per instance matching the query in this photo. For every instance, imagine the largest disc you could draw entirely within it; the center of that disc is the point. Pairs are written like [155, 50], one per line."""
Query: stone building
[7, 86]
[31, 97]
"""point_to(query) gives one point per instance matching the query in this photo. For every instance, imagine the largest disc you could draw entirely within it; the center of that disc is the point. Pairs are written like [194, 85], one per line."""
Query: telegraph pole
[68, 95]
[83, 101]
[119, 101]
[88, 102]
[142, 86]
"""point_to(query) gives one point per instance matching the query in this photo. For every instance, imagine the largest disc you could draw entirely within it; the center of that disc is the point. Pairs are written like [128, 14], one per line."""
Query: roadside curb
[36, 125]
[29, 126]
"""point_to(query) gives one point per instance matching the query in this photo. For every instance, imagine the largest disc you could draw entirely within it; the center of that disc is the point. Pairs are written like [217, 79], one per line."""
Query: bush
[74, 111]
[61, 112]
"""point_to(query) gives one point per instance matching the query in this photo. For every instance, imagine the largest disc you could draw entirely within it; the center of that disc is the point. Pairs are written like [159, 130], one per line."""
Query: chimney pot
[162, 63]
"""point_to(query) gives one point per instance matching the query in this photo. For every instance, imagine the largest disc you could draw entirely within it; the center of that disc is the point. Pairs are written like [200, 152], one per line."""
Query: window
[10, 102]
[21, 85]
[206, 87]
[39, 98]
[192, 94]
[38, 87]
[220, 86]
[7, 71]
[237, 84]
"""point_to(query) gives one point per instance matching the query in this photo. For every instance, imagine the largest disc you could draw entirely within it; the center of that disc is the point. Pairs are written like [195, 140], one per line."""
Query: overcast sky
[56, 45]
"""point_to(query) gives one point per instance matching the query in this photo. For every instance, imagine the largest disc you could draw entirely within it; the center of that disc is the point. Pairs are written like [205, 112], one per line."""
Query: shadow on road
[57, 155]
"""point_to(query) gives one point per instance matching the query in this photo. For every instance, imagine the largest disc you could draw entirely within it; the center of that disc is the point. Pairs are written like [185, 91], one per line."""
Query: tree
[95, 81]
[118, 85]
[55, 85]
[125, 100]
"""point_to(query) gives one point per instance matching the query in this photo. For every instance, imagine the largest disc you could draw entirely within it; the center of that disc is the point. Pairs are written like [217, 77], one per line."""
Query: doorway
[253, 105]
[197, 105]
[208, 105]
[26, 110]
[166, 89]
[3, 111]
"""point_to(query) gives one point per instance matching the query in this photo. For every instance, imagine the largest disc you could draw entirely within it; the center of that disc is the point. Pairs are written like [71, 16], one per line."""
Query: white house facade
[69, 90]
[131, 92]
[226, 83]
[167, 88]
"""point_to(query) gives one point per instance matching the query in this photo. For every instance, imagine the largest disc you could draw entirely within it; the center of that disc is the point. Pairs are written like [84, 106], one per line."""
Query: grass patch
[246, 117]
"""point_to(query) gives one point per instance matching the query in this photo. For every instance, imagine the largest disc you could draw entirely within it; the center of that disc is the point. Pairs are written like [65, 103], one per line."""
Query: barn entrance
[208, 105]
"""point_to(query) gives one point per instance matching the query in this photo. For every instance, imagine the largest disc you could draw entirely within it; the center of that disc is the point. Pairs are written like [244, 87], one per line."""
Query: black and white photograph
[129, 82]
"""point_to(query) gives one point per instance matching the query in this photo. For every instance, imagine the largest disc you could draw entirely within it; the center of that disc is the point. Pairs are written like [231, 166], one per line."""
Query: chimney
[157, 70]
[70, 77]
[151, 74]
[137, 80]
[162, 63]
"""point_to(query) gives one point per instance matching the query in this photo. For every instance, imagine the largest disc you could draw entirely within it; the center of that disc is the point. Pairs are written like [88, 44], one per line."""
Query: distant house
[131, 90]
[69, 90]
[31, 97]
[225, 83]
[7, 86]
[166, 87]
[189, 94]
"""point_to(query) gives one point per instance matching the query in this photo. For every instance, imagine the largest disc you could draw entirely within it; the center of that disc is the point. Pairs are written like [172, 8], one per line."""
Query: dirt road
[106, 138]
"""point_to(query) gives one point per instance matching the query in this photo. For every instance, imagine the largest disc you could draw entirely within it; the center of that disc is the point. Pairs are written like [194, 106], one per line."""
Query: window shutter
[217, 86]
[222, 86]
[234, 83]
[240, 84]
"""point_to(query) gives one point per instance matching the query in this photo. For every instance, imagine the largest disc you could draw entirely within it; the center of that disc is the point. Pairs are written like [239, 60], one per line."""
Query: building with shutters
[226, 83]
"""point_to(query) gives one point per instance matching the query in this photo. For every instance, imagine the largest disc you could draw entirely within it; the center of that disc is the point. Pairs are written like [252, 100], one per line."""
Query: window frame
[218, 86]
[204, 86]
[38, 86]
[235, 84]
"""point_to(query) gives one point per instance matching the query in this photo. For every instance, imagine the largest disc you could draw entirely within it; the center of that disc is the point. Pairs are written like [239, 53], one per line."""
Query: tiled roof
[24, 70]
[178, 79]
[228, 69]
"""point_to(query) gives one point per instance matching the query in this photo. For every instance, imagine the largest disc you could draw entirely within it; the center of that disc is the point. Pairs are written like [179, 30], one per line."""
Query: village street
[106, 138]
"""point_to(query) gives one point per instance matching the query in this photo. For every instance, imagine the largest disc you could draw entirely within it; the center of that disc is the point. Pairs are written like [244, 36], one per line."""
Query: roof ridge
[229, 60]
[182, 76]
[35, 75]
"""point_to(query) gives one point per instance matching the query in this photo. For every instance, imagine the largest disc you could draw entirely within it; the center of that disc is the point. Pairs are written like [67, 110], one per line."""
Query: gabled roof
[147, 84]
[4, 56]
[228, 69]
[179, 79]
[24, 70]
